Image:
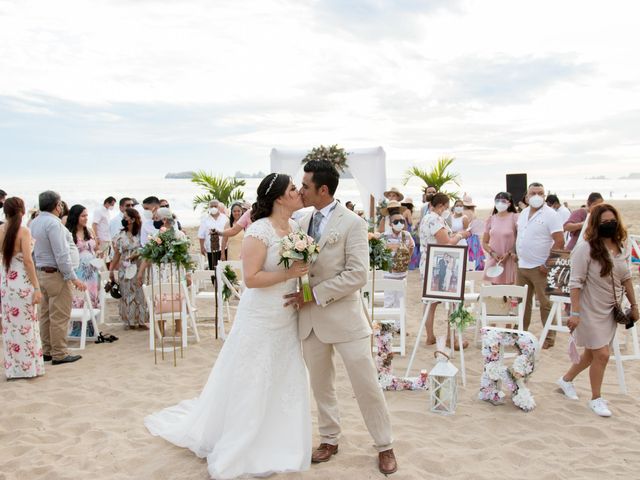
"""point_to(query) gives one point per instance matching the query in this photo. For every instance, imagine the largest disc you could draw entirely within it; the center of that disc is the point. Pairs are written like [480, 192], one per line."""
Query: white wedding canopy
[367, 165]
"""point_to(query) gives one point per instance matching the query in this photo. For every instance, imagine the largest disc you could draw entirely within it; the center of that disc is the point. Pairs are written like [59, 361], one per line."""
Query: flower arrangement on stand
[232, 277]
[383, 333]
[461, 318]
[165, 247]
[513, 378]
[298, 246]
[380, 258]
[334, 154]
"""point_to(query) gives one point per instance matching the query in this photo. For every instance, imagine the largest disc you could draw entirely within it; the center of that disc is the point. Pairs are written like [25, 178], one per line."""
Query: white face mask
[445, 214]
[501, 206]
[148, 214]
[458, 209]
[213, 211]
[536, 201]
[398, 226]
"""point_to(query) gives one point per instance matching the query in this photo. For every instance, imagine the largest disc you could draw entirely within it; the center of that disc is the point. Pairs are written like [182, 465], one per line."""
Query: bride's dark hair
[272, 187]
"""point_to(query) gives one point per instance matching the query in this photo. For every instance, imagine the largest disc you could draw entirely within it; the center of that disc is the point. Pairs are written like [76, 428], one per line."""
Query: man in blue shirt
[56, 275]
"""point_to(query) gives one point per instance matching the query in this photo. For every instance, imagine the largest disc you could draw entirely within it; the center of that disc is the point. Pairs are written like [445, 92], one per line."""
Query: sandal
[101, 338]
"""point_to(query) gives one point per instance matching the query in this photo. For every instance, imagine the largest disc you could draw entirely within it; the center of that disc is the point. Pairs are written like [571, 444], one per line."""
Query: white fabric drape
[367, 165]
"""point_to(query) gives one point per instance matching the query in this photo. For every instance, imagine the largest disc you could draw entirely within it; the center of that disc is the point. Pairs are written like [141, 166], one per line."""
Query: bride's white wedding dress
[252, 417]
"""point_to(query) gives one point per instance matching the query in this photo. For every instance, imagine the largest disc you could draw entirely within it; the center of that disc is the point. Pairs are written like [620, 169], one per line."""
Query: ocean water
[91, 191]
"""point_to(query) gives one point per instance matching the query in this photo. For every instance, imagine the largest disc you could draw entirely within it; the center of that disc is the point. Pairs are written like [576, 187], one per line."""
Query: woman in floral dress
[87, 272]
[20, 293]
[126, 261]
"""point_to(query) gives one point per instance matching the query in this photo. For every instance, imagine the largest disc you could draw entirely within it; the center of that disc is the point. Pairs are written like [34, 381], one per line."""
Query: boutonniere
[333, 237]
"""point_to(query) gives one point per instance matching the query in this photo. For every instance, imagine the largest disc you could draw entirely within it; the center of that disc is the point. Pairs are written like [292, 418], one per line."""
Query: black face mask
[124, 222]
[157, 224]
[1, 204]
[608, 229]
[429, 197]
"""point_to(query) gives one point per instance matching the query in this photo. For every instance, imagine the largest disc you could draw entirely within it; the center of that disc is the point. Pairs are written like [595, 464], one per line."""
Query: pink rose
[15, 311]
[301, 245]
[163, 229]
[12, 275]
[15, 347]
[158, 240]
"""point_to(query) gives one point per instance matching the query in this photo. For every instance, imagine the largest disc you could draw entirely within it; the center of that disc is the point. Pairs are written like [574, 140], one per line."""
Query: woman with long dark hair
[83, 238]
[127, 262]
[231, 246]
[258, 424]
[600, 277]
[499, 239]
[20, 294]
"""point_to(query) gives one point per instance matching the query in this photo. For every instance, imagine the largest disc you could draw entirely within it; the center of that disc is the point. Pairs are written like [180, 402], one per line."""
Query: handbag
[621, 316]
[401, 258]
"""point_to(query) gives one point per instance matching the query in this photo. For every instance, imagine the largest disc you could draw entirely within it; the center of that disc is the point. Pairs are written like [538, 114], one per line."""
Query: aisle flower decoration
[299, 246]
[513, 378]
[165, 247]
[384, 333]
[461, 318]
[380, 258]
[232, 276]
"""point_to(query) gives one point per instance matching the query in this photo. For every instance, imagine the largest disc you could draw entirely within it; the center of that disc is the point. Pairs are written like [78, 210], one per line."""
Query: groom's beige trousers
[357, 358]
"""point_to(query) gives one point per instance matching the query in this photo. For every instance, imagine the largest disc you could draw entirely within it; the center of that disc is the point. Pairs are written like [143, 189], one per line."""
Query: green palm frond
[437, 177]
[223, 189]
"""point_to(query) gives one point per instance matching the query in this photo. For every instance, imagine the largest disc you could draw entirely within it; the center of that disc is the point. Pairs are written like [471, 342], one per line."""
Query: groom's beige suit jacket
[336, 278]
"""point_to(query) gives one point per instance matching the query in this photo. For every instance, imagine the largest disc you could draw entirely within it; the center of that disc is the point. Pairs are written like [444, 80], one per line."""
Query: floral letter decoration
[383, 333]
[513, 378]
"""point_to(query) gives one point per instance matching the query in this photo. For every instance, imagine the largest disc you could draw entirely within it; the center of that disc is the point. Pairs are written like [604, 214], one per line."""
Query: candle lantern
[443, 385]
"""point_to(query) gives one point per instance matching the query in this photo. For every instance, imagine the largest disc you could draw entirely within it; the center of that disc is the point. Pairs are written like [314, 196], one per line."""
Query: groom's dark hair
[324, 173]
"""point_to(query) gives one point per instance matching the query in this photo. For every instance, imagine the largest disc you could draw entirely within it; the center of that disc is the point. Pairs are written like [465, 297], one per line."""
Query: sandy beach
[85, 420]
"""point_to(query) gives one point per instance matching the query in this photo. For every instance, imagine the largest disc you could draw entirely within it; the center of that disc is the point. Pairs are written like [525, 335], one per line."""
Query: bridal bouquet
[299, 246]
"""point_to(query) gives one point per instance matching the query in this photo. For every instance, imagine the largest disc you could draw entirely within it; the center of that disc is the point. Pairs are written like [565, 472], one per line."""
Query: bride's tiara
[271, 184]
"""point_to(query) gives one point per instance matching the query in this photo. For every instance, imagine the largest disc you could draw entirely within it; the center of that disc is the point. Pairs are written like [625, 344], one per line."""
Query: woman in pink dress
[20, 293]
[499, 240]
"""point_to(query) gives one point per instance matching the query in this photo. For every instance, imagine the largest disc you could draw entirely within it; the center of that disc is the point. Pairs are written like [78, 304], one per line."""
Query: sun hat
[392, 204]
[394, 190]
[467, 201]
[408, 202]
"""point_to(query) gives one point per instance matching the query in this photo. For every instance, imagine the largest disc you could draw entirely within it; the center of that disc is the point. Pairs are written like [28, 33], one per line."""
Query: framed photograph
[445, 272]
[558, 273]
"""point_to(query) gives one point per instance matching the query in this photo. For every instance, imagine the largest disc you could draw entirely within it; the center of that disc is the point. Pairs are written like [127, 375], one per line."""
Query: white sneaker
[599, 406]
[568, 389]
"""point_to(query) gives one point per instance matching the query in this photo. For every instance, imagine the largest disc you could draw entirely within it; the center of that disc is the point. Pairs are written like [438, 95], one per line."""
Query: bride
[252, 417]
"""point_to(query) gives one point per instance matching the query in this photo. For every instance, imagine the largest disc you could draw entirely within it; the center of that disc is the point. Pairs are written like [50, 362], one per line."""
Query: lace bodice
[263, 230]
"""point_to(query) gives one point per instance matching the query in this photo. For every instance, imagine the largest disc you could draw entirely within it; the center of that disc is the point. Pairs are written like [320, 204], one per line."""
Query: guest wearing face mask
[213, 221]
[539, 232]
[435, 230]
[578, 220]
[554, 202]
[115, 225]
[231, 246]
[427, 196]
[458, 220]
[401, 244]
[150, 224]
[499, 239]
[126, 262]
[165, 204]
[394, 196]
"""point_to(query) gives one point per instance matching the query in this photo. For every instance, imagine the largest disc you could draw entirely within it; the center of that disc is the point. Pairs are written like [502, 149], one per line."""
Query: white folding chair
[235, 291]
[85, 315]
[511, 293]
[198, 278]
[395, 314]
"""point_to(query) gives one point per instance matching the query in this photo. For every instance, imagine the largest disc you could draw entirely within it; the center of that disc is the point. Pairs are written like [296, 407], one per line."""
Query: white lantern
[443, 385]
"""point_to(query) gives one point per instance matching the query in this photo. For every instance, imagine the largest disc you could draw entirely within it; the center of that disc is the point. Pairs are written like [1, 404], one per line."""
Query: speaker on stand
[517, 186]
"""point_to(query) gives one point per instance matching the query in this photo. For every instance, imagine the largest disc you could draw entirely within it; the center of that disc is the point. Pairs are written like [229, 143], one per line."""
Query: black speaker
[517, 186]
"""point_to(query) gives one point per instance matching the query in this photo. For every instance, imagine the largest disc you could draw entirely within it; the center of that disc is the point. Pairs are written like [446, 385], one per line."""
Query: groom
[335, 320]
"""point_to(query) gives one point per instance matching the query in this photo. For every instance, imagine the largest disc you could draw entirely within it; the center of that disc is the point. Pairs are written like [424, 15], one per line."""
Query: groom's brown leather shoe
[323, 453]
[387, 462]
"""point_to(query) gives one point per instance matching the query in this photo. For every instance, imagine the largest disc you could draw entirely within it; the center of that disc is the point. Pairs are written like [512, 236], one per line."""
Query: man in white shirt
[539, 231]
[150, 225]
[214, 220]
[3, 197]
[101, 219]
[115, 225]
[554, 202]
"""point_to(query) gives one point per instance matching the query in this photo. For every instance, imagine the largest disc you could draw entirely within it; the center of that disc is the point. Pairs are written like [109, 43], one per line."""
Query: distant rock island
[597, 177]
[188, 175]
[631, 176]
[179, 175]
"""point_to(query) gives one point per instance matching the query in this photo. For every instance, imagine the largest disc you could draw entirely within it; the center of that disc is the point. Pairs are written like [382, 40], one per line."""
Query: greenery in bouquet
[232, 277]
[334, 154]
[380, 257]
[461, 318]
[165, 247]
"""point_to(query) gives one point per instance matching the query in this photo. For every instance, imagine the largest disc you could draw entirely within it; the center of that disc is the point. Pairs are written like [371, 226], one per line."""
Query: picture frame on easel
[445, 272]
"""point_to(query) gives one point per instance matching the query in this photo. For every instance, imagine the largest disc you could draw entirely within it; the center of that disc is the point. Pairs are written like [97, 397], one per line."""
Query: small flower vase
[307, 294]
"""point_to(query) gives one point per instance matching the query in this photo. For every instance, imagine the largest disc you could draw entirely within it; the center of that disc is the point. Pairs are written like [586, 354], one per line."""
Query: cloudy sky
[551, 87]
